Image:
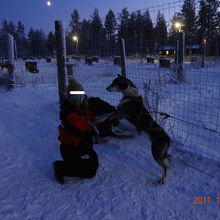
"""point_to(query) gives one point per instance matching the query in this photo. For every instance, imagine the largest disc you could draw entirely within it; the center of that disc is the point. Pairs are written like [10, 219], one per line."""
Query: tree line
[101, 37]
[35, 43]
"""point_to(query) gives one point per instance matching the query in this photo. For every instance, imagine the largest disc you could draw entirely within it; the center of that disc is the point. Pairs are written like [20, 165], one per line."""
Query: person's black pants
[81, 161]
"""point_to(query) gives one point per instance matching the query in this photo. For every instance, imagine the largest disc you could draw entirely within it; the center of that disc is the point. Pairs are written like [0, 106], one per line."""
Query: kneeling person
[75, 134]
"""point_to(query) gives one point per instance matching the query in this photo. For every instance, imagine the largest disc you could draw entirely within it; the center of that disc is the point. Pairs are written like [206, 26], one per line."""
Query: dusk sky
[36, 13]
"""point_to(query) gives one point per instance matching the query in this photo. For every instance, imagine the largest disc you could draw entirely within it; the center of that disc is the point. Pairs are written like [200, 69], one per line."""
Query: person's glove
[85, 156]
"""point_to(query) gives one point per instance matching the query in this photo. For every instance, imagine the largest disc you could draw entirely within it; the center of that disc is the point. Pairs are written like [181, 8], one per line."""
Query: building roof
[195, 46]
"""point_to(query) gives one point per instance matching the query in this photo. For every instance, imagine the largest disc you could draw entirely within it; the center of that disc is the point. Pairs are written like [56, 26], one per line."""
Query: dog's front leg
[163, 178]
[117, 115]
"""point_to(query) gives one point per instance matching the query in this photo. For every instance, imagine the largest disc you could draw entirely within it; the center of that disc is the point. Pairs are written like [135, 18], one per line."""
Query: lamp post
[178, 26]
[180, 49]
[75, 38]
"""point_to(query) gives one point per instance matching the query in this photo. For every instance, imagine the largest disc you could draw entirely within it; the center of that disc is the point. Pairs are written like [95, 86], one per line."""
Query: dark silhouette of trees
[161, 30]
[188, 14]
[110, 31]
[50, 43]
[75, 22]
[142, 37]
[96, 31]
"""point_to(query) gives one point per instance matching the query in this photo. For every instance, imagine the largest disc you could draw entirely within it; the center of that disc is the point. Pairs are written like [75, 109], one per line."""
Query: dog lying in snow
[132, 108]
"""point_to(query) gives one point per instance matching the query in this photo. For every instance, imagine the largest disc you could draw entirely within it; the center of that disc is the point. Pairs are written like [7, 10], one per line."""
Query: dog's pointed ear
[119, 76]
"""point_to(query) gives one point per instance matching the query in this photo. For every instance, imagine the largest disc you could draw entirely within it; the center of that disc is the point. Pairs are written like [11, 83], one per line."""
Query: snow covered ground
[125, 186]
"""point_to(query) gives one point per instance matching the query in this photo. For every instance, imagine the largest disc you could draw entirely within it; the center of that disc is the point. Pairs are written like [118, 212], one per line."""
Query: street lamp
[180, 49]
[178, 26]
[75, 38]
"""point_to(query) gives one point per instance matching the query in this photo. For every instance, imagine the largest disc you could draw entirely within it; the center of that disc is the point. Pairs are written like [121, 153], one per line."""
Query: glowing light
[177, 25]
[49, 3]
[75, 38]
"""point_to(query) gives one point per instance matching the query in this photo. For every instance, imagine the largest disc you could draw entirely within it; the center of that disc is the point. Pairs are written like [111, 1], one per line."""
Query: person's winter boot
[58, 171]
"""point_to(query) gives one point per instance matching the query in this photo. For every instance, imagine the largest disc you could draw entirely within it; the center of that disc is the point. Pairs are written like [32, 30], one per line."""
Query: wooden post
[10, 58]
[180, 55]
[123, 69]
[181, 47]
[15, 49]
[61, 57]
[177, 53]
[203, 52]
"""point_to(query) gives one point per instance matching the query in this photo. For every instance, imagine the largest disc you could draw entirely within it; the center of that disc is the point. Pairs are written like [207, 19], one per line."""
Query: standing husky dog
[132, 108]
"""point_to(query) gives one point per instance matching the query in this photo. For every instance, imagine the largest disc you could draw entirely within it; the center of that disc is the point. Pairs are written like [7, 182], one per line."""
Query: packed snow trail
[124, 188]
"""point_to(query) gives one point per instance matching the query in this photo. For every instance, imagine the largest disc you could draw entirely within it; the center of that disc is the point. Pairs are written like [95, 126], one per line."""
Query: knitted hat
[73, 85]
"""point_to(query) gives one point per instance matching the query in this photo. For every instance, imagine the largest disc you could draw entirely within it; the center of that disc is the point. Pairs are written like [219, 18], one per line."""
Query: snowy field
[125, 186]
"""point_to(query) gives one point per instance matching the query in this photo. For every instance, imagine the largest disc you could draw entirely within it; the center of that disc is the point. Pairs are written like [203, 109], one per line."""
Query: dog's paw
[161, 181]
[119, 130]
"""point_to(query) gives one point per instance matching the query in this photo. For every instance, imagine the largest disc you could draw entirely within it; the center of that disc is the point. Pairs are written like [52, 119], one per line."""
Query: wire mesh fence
[191, 106]
[187, 107]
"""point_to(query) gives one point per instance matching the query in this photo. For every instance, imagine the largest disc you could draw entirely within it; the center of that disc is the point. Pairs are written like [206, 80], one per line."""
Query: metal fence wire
[188, 107]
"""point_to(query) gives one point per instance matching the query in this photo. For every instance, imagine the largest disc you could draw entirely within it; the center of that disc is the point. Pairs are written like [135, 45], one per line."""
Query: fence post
[10, 58]
[61, 57]
[177, 53]
[180, 55]
[16, 51]
[203, 52]
[123, 69]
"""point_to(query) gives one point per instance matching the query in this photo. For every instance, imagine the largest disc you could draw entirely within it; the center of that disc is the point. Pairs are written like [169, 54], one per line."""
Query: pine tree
[21, 40]
[110, 30]
[50, 43]
[12, 29]
[208, 18]
[31, 40]
[110, 27]
[139, 23]
[124, 24]
[37, 42]
[75, 22]
[5, 26]
[189, 19]
[218, 22]
[20, 30]
[131, 35]
[161, 30]
[96, 32]
[85, 37]
[148, 33]
[42, 42]
[3, 38]
[9, 27]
